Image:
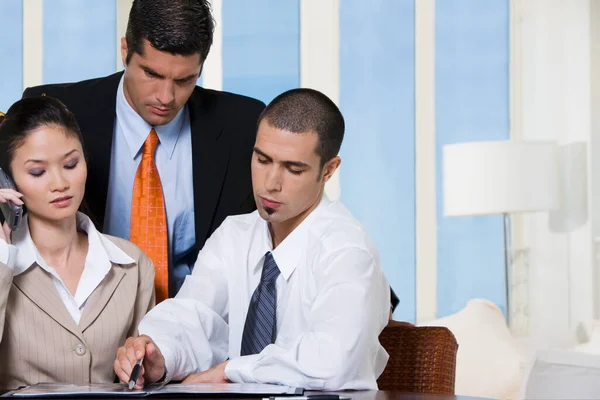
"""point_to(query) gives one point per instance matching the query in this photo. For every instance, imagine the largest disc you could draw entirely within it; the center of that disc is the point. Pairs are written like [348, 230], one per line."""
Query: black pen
[135, 373]
[310, 397]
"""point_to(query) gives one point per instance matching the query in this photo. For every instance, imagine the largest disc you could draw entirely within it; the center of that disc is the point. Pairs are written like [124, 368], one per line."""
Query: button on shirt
[332, 303]
[174, 164]
[80, 350]
[22, 254]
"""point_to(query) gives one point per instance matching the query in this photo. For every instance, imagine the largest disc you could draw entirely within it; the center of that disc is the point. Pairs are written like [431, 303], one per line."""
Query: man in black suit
[205, 137]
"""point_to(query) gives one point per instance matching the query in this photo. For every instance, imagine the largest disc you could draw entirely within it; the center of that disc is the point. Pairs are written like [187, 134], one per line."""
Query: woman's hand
[5, 196]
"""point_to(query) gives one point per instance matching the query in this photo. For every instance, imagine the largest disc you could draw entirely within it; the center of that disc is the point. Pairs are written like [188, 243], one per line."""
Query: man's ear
[124, 51]
[330, 167]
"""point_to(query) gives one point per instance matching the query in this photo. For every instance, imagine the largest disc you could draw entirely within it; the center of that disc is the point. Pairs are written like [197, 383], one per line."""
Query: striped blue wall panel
[261, 47]
[377, 91]
[11, 52]
[80, 39]
[472, 104]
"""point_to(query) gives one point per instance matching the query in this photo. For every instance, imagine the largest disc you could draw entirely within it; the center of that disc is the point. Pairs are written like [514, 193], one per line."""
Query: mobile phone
[13, 213]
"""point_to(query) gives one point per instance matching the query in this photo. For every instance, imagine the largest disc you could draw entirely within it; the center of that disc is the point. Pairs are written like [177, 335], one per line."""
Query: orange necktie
[148, 227]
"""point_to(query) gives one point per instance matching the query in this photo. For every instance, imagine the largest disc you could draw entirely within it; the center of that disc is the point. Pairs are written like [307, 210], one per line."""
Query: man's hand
[153, 367]
[214, 375]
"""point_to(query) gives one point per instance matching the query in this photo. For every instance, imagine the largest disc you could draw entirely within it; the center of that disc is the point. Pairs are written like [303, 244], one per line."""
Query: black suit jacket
[223, 129]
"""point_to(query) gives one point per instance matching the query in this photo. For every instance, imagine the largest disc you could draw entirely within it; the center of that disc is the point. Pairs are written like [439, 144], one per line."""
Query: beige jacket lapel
[100, 297]
[38, 286]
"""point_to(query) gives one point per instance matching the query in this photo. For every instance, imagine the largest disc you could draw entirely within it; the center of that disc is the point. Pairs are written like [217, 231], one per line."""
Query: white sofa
[489, 362]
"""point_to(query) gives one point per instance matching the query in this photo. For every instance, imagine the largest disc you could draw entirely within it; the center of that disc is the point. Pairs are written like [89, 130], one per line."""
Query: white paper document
[47, 390]
[562, 375]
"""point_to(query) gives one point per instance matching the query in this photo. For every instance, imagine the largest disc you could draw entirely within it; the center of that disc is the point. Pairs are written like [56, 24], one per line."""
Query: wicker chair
[422, 359]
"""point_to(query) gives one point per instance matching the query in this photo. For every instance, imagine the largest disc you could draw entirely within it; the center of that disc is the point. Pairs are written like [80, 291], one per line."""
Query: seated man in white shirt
[292, 293]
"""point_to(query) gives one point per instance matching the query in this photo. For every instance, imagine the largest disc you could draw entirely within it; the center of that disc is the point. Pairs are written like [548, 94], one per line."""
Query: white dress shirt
[332, 303]
[174, 164]
[22, 254]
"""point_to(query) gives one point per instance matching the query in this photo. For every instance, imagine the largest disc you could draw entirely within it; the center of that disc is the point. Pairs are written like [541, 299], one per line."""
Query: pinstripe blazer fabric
[40, 341]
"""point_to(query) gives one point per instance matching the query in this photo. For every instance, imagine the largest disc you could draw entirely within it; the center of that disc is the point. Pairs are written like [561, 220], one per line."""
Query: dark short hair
[182, 27]
[27, 115]
[308, 110]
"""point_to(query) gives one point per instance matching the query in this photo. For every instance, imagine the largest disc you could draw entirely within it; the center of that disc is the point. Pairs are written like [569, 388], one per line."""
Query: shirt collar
[136, 130]
[288, 252]
[102, 253]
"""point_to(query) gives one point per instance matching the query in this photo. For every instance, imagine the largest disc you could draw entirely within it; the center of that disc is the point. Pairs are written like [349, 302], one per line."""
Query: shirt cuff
[8, 254]
[170, 362]
[240, 369]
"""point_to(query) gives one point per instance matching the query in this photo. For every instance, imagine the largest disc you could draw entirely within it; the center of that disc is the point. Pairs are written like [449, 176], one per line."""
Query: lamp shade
[500, 177]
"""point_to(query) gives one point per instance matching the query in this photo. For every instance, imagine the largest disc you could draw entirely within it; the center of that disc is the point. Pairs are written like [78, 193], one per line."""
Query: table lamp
[502, 177]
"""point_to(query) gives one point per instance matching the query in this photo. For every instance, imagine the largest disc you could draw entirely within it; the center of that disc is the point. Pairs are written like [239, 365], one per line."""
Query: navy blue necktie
[261, 321]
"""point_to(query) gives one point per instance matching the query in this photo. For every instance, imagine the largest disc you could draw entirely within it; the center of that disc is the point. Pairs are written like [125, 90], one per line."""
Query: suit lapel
[210, 155]
[38, 286]
[100, 297]
[97, 123]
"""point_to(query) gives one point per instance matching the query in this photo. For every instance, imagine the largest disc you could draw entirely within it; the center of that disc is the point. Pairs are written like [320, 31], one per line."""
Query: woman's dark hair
[25, 116]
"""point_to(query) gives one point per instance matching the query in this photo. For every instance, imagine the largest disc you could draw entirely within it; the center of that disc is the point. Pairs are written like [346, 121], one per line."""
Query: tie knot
[270, 270]
[151, 143]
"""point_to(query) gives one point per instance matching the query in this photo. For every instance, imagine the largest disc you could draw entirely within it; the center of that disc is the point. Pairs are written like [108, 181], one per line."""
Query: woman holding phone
[69, 295]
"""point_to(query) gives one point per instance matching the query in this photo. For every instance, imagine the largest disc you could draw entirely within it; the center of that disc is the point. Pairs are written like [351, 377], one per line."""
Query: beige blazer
[42, 343]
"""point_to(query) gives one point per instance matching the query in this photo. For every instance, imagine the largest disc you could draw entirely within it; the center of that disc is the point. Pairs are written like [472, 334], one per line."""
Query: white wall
[319, 59]
[551, 82]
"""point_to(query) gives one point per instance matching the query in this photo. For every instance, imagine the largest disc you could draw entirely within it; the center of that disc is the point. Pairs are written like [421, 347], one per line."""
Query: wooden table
[358, 395]
[354, 395]
[393, 395]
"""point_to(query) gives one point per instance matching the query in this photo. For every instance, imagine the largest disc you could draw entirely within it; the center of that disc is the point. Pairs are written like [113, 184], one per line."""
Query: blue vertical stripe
[472, 104]
[11, 52]
[377, 91]
[261, 47]
[80, 39]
